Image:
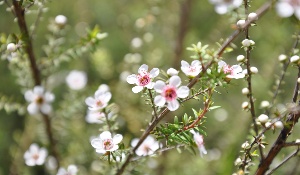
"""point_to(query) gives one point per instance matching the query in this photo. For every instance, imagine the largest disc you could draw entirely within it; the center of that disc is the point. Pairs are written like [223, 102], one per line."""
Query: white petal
[46, 108]
[143, 67]
[49, 97]
[173, 105]
[72, 169]
[38, 90]
[237, 3]
[29, 96]
[117, 138]
[297, 13]
[106, 97]
[137, 89]
[284, 9]
[175, 81]
[172, 71]
[30, 162]
[150, 85]
[114, 148]
[183, 92]
[105, 135]
[131, 79]
[154, 72]
[134, 142]
[97, 143]
[221, 64]
[196, 63]
[34, 148]
[159, 100]
[33, 108]
[90, 101]
[61, 171]
[184, 64]
[101, 151]
[221, 9]
[159, 86]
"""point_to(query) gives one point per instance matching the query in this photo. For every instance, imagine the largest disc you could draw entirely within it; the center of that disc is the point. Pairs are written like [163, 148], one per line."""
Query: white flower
[224, 6]
[76, 80]
[35, 155]
[143, 78]
[99, 102]
[263, 118]
[199, 142]
[294, 58]
[241, 23]
[234, 71]
[169, 93]
[254, 70]
[247, 42]
[240, 58]
[286, 8]
[252, 16]
[60, 20]
[11, 47]
[72, 170]
[95, 117]
[282, 57]
[191, 70]
[245, 91]
[106, 143]
[39, 100]
[172, 72]
[148, 147]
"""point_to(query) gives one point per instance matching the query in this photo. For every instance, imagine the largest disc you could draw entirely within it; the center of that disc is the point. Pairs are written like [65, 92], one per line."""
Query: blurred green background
[145, 32]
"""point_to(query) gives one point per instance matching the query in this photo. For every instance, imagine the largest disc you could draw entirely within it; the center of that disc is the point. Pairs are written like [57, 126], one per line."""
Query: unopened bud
[245, 105]
[252, 16]
[254, 70]
[11, 47]
[240, 58]
[60, 20]
[245, 91]
[282, 57]
[278, 125]
[263, 118]
[241, 23]
[264, 104]
[294, 59]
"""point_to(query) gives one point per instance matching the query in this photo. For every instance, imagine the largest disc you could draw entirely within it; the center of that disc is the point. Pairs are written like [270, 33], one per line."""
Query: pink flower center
[39, 99]
[169, 93]
[228, 70]
[35, 156]
[108, 144]
[99, 103]
[146, 148]
[192, 69]
[143, 79]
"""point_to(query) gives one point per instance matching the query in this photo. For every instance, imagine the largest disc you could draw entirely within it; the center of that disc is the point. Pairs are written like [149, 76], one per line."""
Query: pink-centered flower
[39, 100]
[234, 71]
[106, 143]
[199, 142]
[143, 78]
[100, 100]
[170, 92]
[35, 155]
[191, 70]
[286, 8]
[148, 147]
[71, 170]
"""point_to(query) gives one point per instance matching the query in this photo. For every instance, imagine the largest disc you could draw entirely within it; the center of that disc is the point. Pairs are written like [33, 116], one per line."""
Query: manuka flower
[35, 155]
[286, 8]
[234, 71]
[191, 70]
[199, 142]
[100, 101]
[143, 78]
[39, 100]
[170, 92]
[76, 80]
[106, 143]
[72, 170]
[224, 6]
[148, 147]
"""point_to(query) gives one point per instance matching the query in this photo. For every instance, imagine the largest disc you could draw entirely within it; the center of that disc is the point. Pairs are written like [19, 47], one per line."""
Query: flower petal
[72, 169]
[33, 108]
[105, 135]
[29, 96]
[97, 143]
[183, 92]
[38, 90]
[46, 108]
[159, 100]
[137, 89]
[134, 142]
[159, 86]
[173, 105]
[101, 151]
[106, 97]
[49, 97]
[175, 81]
[184, 64]
[90, 101]
[195, 63]
[143, 67]
[154, 72]
[131, 79]
[117, 138]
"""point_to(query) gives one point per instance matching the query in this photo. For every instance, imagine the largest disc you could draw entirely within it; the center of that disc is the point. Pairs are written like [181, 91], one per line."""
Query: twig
[152, 104]
[287, 144]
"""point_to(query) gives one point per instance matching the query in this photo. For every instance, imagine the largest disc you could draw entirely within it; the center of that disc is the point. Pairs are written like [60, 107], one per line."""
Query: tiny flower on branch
[247, 43]
[295, 59]
[263, 118]
[241, 23]
[106, 143]
[224, 6]
[39, 100]
[148, 147]
[240, 58]
[143, 78]
[76, 80]
[234, 71]
[172, 72]
[252, 16]
[170, 92]
[191, 70]
[245, 145]
[245, 91]
[11, 47]
[254, 70]
[35, 155]
[199, 142]
[99, 102]
[245, 105]
[282, 58]
[71, 170]
[264, 104]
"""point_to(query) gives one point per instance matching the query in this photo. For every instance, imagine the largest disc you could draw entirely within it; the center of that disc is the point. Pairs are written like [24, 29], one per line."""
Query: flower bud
[240, 58]
[238, 161]
[268, 124]
[247, 42]
[172, 71]
[282, 57]
[245, 105]
[278, 125]
[241, 23]
[11, 47]
[245, 91]
[294, 59]
[263, 118]
[60, 20]
[298, 80]
[254, 70]
[264, 104]
[252, 16]
[245, 145]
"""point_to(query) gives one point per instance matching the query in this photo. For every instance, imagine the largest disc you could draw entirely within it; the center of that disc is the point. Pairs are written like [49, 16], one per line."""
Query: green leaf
[214, 107]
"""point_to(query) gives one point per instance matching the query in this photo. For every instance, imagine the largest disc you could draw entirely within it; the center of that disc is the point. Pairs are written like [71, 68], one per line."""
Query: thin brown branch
[288, 144]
